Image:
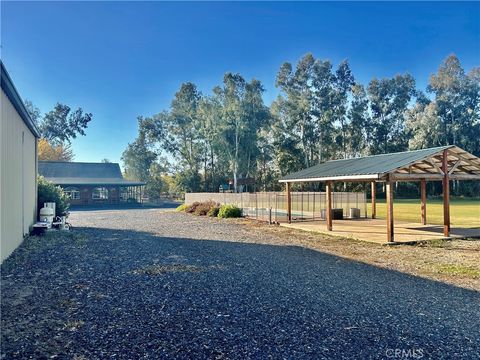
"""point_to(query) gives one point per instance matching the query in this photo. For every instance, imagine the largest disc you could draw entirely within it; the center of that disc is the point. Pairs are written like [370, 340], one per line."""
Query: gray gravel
[148, 283]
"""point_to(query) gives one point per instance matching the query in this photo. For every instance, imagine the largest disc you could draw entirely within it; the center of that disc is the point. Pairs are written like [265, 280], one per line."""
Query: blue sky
[119, 60]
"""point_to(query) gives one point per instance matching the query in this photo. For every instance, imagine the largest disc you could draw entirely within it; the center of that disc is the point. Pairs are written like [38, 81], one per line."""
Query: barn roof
[83, 173]
[16, 100]
[407, 165]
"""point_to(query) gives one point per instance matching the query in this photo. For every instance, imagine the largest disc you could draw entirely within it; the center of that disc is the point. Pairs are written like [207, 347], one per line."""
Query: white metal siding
[18, 185]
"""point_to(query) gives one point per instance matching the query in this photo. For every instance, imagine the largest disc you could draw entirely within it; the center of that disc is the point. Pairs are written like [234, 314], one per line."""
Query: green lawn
[462, 212]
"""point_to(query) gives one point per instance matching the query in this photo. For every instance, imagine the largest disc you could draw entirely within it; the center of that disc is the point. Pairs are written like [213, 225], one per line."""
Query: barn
[89, 183]
[18, 168]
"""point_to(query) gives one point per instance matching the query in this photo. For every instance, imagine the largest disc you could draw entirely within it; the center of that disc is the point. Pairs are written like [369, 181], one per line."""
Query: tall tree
[359, 122]
[33, 111]
[343, 83]
[57, 128]
[296, 104]
[457, 98]
[389, 99]
[424, 125]
[177, 131]
[243, 115]
[138, 158]
[210, 116]
[62, 124]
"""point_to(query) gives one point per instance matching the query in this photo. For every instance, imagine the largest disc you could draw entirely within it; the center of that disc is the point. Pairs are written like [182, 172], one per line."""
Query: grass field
[463, 212]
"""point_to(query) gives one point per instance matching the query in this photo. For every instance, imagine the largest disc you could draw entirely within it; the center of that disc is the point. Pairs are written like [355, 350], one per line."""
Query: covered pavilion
[443, 163]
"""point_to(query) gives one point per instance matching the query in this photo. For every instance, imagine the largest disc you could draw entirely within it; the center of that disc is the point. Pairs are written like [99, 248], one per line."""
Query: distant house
[91, 183]
[18, 168]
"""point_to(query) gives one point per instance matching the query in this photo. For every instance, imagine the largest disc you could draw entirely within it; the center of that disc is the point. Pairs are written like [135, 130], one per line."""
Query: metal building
[18, 168]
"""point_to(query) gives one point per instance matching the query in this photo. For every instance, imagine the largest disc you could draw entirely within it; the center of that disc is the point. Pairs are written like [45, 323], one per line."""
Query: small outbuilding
[88, 183]
[443, 164]
[18, 168]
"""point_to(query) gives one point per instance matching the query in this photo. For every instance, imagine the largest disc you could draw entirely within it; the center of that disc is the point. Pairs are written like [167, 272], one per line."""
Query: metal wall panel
[18, 185]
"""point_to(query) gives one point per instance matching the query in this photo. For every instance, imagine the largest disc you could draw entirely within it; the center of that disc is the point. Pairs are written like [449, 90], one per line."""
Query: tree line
[321, 113]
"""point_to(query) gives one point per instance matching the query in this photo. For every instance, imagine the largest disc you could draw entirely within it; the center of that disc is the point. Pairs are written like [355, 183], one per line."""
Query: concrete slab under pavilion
[373, 230]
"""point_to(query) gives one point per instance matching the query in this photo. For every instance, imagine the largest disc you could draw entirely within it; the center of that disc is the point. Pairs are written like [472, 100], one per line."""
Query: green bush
[229, 211]
[48, 192]
[213, 212]
[181, 208]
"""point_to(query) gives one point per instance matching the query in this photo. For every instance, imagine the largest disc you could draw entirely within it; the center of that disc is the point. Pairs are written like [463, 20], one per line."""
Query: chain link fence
[272, 206]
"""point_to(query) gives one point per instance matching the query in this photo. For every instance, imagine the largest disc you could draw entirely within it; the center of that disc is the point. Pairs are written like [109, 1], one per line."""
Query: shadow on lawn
[132, 294]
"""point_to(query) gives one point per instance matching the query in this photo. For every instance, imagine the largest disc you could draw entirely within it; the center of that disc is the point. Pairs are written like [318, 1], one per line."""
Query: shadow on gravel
[97, 293]
[166, 205]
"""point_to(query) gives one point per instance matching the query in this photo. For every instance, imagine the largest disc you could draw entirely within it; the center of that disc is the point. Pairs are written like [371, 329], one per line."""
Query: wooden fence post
[423, 196]
[374, 204]
[289, 202]
[446, 195]
[329, 205]
[390, 221]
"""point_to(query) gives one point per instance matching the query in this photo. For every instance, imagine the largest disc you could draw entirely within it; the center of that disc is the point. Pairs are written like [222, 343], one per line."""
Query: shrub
[204, 208]
[229, 211]
[191, 208]
[181, 208]
[213, 212]
[48, 192]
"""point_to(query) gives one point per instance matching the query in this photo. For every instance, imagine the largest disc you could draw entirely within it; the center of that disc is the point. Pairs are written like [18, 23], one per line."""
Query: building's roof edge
[106, 182]
[76, 162]
[374, 166]
[436, 148]
[9, 88]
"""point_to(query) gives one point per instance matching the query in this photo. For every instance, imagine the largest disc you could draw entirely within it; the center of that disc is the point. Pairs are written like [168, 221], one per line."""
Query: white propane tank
[52, 206]
[46, 214]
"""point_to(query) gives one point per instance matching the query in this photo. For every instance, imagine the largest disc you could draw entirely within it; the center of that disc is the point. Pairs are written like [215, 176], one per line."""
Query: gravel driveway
[151, 283]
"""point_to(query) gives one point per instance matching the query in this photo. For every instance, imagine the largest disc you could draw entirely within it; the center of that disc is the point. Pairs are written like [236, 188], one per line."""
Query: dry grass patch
[159, 269]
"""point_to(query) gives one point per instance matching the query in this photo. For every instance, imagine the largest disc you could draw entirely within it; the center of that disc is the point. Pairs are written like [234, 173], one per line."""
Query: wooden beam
[329, 205]
[432, 177]
[289, 202]
[450, 172]
[464, 177]
[435, 165]
[417, 177]
[374, 195]
[423, 196]
[446, 195]
[390, 223]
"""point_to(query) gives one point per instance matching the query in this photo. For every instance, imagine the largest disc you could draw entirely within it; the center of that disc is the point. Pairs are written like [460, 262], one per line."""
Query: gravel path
[150, 283]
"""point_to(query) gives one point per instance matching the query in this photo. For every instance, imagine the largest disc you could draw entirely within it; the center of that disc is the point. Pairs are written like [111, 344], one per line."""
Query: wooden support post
[329, 205]
[423, 196]
[289, 202]
[446, 195]
[390, 223]
[374, 204]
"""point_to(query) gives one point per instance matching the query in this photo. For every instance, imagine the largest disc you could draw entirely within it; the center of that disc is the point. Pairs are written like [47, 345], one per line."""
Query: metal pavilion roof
[401, 166]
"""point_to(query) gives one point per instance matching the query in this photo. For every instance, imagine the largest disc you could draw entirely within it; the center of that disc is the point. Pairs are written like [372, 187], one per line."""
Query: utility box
[337, 214]
[354, 213]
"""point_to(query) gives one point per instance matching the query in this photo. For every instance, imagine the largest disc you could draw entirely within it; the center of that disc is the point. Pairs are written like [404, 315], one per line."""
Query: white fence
[305, 205]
